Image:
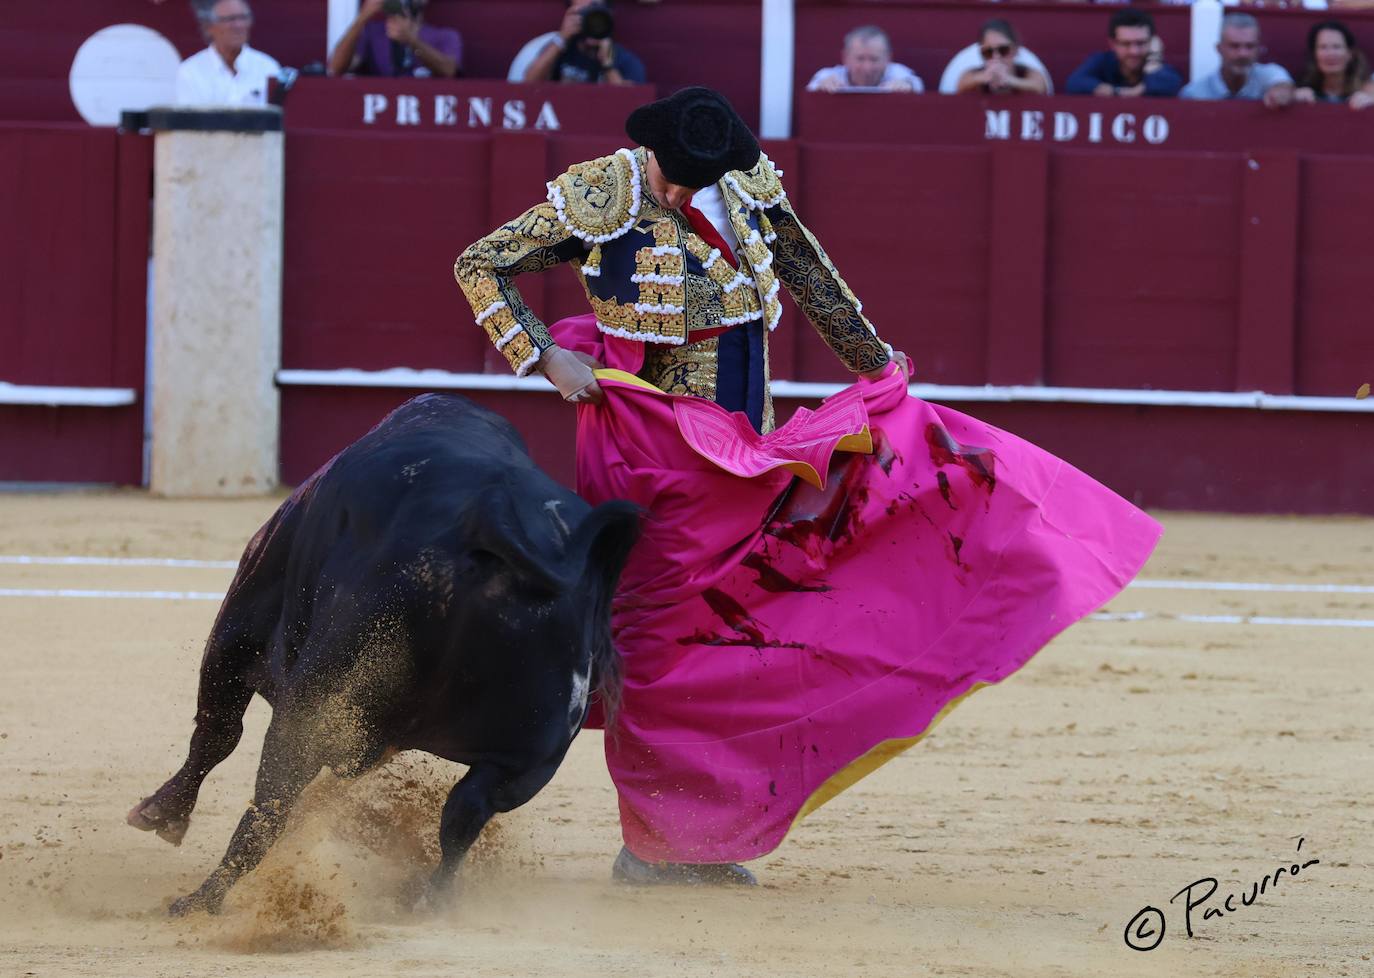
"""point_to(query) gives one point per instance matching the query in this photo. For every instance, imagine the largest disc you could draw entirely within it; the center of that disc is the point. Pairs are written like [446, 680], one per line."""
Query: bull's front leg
[483, 792]
[223, 697]
[290, 761]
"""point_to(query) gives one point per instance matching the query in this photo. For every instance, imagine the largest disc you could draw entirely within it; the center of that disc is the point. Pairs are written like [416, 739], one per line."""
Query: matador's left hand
[903, 364]
[571, 373]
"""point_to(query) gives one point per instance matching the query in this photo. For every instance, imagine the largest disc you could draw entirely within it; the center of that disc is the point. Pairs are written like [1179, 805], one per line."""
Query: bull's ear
[495, 528]
[602, 542]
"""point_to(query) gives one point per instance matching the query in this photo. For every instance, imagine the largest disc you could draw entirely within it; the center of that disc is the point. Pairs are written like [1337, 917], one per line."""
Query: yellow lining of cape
[625, 377]
[870, 761]
[859, 442]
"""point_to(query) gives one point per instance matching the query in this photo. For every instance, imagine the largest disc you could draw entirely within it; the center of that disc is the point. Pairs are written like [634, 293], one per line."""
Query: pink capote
[777, 648]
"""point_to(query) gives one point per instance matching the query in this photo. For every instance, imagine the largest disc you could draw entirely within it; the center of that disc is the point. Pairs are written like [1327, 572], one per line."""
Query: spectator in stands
[1337, 70]
[867, 65]
[1241, 76]
[1000, 74]
[228, 72]
[402, 44]
[972, 57]
[582, 50]
[1127, 69]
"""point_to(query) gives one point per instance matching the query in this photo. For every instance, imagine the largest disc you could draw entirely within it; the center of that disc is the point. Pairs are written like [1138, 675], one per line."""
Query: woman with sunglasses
[1337, 70]
[999, 74]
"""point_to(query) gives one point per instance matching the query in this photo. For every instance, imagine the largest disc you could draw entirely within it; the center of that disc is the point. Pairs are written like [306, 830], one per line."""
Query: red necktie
[708, 233]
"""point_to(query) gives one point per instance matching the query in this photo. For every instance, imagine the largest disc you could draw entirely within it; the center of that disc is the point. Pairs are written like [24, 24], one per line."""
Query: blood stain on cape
[980, 463]
[772, 579]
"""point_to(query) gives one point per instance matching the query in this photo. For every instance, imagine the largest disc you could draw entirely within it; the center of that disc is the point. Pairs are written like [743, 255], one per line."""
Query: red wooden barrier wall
[990, 263]
[1195, 263]
[1236, 461]
[997, 261]
[1231, 258]
[74, 203]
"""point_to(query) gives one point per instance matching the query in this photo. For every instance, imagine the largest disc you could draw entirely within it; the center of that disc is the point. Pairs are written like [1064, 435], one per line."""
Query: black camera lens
[597, 22]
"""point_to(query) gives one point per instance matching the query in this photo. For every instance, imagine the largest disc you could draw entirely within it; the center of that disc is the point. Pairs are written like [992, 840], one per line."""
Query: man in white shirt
[228, 72]
[867, 66]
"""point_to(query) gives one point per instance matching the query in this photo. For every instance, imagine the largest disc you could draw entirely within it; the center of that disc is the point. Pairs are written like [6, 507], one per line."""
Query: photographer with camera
[402, 45]
[581, 50]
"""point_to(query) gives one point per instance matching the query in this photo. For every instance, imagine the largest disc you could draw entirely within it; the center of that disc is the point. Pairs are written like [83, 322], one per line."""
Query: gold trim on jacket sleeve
[533, 242]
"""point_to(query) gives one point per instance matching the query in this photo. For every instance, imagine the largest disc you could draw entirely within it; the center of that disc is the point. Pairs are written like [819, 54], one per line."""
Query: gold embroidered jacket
[649, 276]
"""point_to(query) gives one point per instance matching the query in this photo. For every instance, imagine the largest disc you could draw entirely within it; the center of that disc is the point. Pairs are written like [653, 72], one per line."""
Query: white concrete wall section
[339, 15]
[775, 75]
[217, 247]
[1205, 31]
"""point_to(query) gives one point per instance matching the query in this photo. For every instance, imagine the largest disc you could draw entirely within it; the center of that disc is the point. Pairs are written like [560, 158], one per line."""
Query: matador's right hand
[572, 374]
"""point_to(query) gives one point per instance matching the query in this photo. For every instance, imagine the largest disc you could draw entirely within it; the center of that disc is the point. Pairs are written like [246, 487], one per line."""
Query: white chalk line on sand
[1112, 616]
[117, 561]
[1121, 616]
[1232, 619]
[69, 592]
[1166, 585]
[1144, 584]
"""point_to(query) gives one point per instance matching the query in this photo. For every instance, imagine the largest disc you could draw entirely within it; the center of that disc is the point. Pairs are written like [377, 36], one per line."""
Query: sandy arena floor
[1128, 760]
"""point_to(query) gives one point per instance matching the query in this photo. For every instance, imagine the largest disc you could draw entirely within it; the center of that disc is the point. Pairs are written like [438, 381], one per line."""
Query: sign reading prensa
[461, 107]
[1037, 126]
[446, 109]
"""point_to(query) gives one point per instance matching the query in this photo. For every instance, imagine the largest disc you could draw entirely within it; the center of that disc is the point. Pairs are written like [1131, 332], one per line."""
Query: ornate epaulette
[760, 186]
[598, 200]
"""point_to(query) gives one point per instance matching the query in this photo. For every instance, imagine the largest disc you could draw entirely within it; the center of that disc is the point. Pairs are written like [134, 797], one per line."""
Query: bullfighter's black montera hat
[696, 136]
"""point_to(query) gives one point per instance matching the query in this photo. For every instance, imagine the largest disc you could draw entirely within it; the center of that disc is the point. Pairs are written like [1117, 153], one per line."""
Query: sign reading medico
[1039, 126]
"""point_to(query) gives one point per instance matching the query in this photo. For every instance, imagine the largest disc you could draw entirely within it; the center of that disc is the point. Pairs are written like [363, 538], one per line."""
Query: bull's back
[401, 499]
[424, 463]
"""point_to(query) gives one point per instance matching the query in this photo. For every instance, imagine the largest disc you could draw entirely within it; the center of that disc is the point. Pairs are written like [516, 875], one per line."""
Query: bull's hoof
[148, 816]
[437, 894]
[196, 902]
[632, 870]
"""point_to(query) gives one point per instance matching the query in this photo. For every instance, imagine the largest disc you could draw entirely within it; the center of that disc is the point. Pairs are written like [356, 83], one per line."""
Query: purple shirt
[374, 55]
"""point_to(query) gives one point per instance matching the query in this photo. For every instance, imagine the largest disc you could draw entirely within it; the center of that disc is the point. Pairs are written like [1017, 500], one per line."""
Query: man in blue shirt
[1242, 74]
[1126, 70]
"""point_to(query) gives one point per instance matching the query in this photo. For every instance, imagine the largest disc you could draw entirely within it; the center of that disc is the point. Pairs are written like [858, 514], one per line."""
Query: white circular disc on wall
[126, 66]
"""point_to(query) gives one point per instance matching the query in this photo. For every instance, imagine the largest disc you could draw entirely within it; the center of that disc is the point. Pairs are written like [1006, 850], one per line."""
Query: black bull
[429, 588]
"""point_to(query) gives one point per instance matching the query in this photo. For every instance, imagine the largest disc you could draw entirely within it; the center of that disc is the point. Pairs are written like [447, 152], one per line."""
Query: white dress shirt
[204, 78]
[709, 201]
